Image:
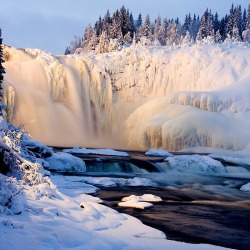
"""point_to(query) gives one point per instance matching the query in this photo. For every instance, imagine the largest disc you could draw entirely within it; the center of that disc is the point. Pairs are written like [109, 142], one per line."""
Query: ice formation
[140, 97]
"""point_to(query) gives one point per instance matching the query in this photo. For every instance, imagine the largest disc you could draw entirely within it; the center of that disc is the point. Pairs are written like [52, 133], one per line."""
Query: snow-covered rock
[140, 202]
[65, 162]
[158, 152]
[246, 187]
[195, 164]
[106, 151]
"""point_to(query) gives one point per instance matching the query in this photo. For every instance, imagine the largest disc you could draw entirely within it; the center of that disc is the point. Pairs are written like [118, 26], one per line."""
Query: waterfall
[139, 97]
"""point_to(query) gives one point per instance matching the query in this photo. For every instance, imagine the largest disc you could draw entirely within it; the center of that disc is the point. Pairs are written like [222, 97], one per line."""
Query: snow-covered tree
[116, 27]
[248, 18]
[88, 34]
[187, 39]
[139, 22]
[146, 28]
[132, 24]
[235, 35]
[173, 36]
[75, 44]
[103, 45]
[106, 23]
[2, 70]
[218, 37]
[206, 26]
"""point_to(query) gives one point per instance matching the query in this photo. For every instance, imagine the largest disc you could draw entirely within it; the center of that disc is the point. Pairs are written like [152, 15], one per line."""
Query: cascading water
[97, 100]
[56, 94]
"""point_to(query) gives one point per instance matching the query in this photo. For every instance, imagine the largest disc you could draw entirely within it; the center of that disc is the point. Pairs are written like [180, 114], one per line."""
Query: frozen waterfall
[140, 97]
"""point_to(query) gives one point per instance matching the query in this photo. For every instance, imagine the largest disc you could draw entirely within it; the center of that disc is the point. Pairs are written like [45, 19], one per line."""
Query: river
[196, 207]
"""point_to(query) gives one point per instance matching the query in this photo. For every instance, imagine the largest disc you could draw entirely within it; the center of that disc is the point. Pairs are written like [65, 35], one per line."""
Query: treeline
[121, 29]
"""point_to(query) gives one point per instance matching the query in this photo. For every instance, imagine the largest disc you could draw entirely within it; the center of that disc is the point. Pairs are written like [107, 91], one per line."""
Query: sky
[52, 24]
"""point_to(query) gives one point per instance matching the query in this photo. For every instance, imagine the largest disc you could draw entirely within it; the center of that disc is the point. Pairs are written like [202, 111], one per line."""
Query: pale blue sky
[51, 24]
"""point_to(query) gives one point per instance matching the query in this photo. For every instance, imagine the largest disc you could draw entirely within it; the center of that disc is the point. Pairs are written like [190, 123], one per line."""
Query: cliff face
[139, 97]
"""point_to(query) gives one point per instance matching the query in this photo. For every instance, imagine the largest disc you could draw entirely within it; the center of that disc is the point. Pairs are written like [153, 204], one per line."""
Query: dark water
[196, 208]
[188, 216]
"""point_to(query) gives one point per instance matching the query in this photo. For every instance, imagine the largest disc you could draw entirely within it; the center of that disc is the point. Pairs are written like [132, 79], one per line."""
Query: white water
[90, 100]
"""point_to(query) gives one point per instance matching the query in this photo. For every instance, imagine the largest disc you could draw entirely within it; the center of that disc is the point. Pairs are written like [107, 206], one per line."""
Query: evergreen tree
[106, 23]
[206, 26]
[132, 24]
[187, 24]
[2, 70]
[231, 21]
[98, 27]
[116, 27]
[67, 51]
[244, 20]
[248, 18]
[218, 37]
[103, 43]
[173, 36]
[139, 22]
[146, 29]
[87, 37]
[216, 22]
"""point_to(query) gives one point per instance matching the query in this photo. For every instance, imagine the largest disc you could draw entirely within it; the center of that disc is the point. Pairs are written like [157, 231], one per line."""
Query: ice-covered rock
[65, 162]
[158, 152]
[195, 164]
[246, 187]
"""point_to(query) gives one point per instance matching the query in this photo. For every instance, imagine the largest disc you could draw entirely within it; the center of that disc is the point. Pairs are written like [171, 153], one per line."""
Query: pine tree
[132, 24]
[244, 20]
[106, 23]
[218, 37]
[216, 22]
[116, 27]
[173, 36]
[146, 29]
[2, 70]
[231, 21]
[87, 37]
[248, 17]
[139, 22]
[67, 51]
[206, 26]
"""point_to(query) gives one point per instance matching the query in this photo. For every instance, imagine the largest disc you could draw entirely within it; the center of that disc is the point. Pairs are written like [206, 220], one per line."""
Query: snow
[158, 152]
[105, 181]
[65, 162]
[141, 97]
[135, 204]
[106, 151]
[195, 164]
[140, 202]
[246, 187]
[238, 158]
[52, 220]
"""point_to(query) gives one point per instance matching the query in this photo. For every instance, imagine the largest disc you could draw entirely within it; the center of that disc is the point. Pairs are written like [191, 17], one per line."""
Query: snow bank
[195, 164]
[112, 152]
[158, 152]
[110, 182]
[246, 187]
[65, 162]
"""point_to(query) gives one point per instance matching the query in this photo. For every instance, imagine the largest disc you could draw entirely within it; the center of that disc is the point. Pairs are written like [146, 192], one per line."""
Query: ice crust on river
[141, 97]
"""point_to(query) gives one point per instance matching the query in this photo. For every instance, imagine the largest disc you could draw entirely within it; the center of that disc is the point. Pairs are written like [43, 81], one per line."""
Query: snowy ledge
[111, 152]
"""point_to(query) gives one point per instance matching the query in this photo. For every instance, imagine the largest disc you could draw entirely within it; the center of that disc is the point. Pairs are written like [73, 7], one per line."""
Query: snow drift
[141, 97]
